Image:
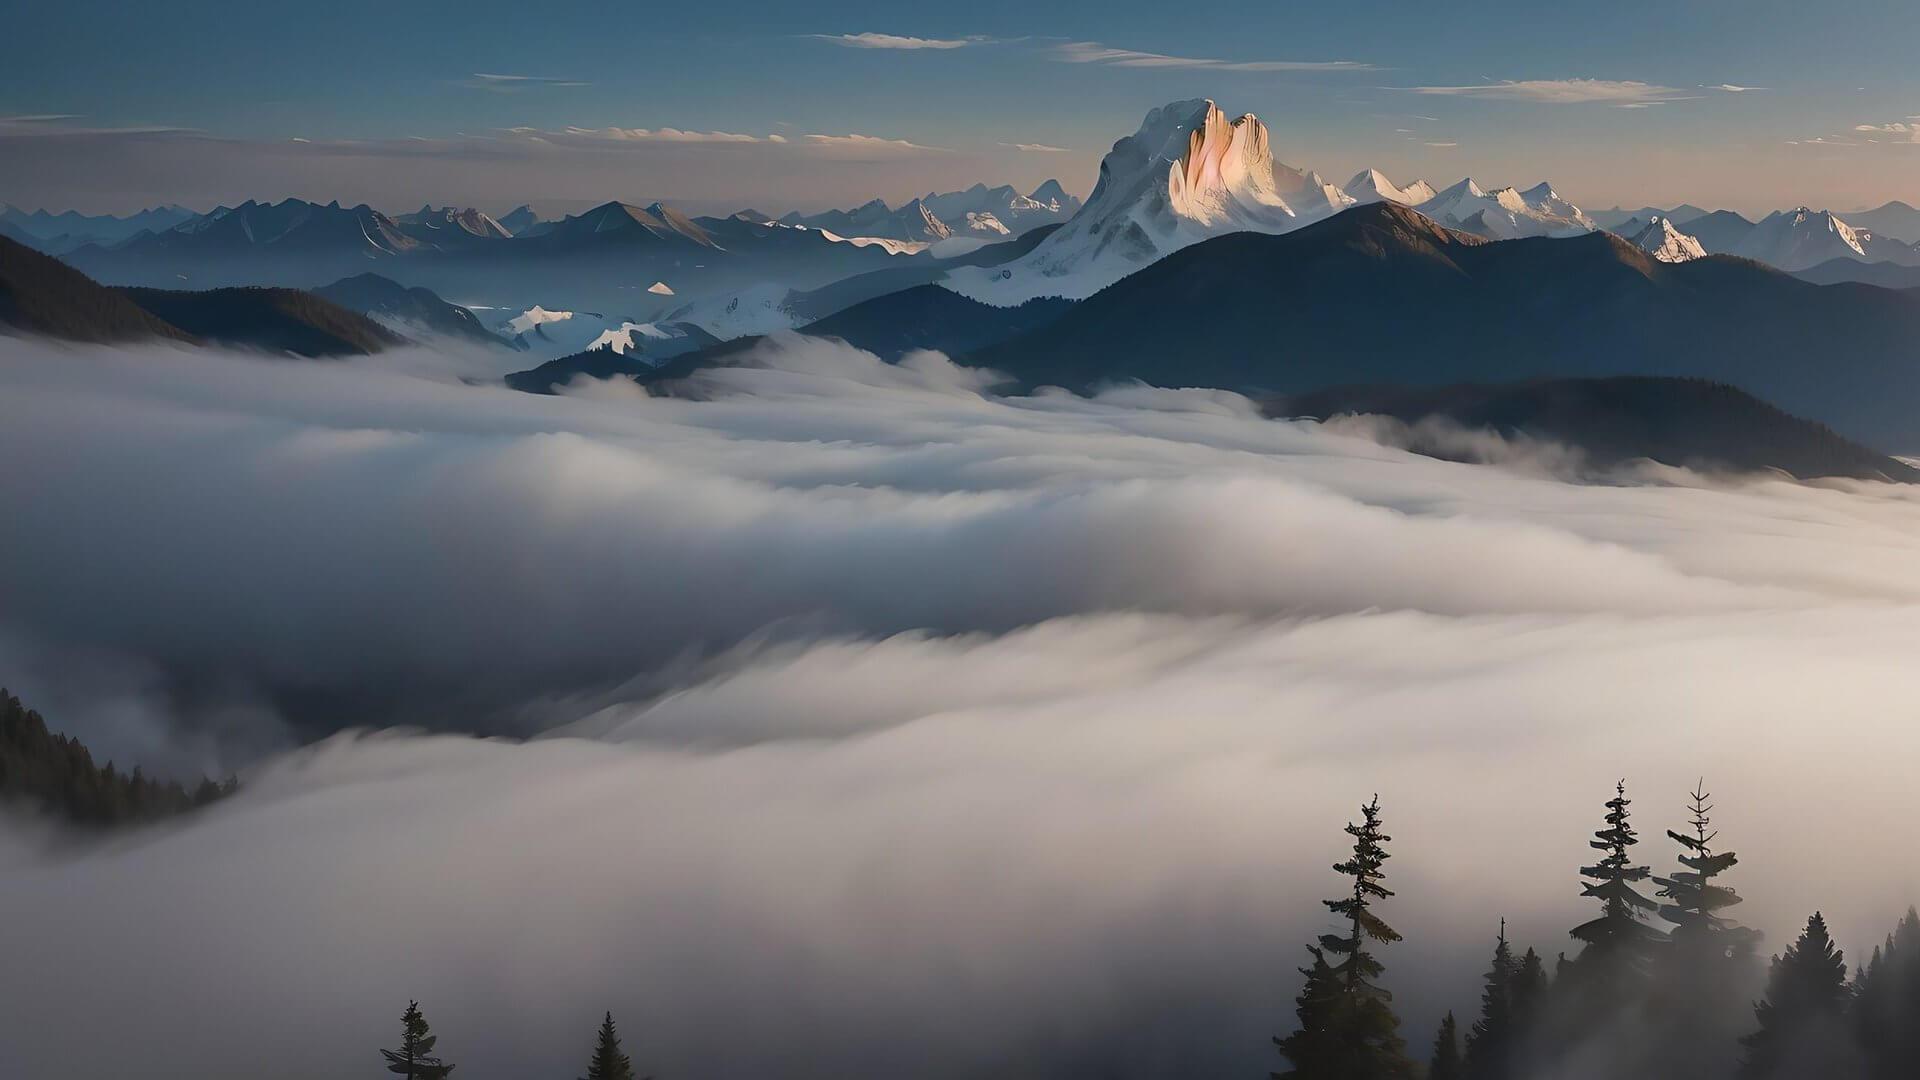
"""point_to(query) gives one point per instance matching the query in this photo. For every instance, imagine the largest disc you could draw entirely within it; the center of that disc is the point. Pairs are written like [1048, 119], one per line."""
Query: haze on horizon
[724, 105]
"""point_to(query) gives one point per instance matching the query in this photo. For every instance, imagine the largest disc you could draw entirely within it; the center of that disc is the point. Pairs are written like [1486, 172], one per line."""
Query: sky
[1748, 104]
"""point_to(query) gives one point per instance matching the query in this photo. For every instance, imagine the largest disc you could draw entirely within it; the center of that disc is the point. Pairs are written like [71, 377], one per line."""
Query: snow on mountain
[530, 318]
[1189, 173]
[987, 212]
[1800, 238]
[1547, 202]
[1372, 185]
[660, 288]
[1666, 243]
[1506, 213]
[621, 338]
[1001, 211]
[757, 309]
[980, 221]
[551, 333]
[1054, 198]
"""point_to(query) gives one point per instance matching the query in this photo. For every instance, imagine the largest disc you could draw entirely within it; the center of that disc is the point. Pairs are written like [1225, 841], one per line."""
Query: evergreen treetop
[414, 1060]
[1620, 928]
[1347, 1028]
[1696, 900]
[1490, 1040]
[1806, 996]
[1446, 1064]
[608, 1062]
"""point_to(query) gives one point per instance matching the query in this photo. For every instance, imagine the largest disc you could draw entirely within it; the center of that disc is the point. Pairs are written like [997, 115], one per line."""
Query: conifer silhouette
[414, 1060]
[1347, 1028]
[608, 1062]
[1801, 1031]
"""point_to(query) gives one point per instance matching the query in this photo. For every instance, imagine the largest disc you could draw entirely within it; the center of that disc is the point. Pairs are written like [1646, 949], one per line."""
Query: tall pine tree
[1347, 1028]
[1490, 1042]
[1619, 942]
[608, 1062]
[1802, 1033]
[1445, 1064]
[1696, 900]
[414, 1060]
[1707, 976]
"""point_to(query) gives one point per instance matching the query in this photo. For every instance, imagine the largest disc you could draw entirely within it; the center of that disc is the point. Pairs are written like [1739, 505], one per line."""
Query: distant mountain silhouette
[378, 297]
[1719, 232]
[1689, 422]
[1887, 275]
[40, 294]
[1380, 294]
[275, 320]
[930, 317]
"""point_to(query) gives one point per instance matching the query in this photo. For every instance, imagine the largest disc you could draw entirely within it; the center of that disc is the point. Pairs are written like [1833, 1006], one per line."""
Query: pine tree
[1801, 1031]
[1697, 901]
[1446, 1064]
[414, 1059]
[608, 1062]
[1887, 1003]
[1490, 1041]
[1529, 990]
[1618, 943]
[1347, 1028]
[1706, 977]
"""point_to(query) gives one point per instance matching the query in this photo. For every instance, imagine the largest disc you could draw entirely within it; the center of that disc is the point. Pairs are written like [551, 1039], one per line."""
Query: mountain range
[1302, 311]
[979, 211]
[68, 230]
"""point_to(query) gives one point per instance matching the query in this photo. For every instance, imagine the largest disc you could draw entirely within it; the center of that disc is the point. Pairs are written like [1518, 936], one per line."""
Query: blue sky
[393, 108]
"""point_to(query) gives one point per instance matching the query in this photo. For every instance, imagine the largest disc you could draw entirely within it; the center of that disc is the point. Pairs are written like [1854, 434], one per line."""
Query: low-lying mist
[888, 726]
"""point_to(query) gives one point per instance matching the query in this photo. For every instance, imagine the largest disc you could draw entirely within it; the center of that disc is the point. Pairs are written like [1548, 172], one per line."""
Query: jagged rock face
[1188, 174]
[1666, 243]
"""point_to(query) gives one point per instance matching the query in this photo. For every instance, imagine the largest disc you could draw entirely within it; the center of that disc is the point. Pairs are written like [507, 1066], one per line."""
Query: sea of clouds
[844, 719]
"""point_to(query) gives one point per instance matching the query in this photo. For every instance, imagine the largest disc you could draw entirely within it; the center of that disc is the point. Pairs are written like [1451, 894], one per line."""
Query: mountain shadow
[39, 294]
[275, 320]
[1688, 422]
[374, 296]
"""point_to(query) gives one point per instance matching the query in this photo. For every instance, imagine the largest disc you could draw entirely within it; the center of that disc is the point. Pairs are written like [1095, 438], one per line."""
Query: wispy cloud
[1732, 89]
[871, 143]
[895, 41]
[1561, 91]
[507, 84]
[1441, 145]
[1093, 52]
[851, 143]
[55, 125]
[665, 134]
[1036, 148]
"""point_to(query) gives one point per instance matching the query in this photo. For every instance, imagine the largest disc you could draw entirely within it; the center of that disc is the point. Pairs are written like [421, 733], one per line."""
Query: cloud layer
[891, 727]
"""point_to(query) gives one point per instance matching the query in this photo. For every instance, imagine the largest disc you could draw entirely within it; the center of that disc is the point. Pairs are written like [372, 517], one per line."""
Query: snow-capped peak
[1666, 243]
[1372, 185]
[1800, 238]
[1189, 173]
[1505, 213]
